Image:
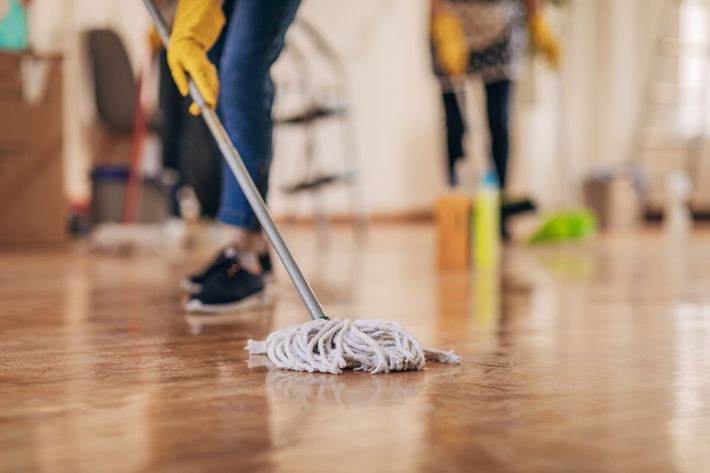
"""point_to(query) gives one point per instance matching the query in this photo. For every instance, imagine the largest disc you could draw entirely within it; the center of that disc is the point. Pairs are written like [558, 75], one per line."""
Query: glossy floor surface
[575, 358]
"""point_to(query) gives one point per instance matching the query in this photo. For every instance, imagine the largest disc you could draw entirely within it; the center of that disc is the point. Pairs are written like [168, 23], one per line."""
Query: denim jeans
[250, 43]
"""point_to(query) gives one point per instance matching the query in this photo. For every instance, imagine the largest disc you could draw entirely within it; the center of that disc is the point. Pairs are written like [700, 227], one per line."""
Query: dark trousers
[497, 112]
[188, 147]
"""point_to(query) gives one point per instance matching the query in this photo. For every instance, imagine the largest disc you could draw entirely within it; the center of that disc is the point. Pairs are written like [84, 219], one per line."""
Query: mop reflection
[356, 390]
[354, 408]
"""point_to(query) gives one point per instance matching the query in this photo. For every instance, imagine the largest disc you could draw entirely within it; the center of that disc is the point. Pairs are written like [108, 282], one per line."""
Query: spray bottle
[486, 222]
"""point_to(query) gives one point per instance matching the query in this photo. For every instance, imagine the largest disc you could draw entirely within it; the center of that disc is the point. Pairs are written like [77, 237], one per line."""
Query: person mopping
[324, 344]
[228, 49]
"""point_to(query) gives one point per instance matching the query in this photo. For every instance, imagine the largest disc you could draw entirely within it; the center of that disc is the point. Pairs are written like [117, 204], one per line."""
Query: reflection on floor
[591, 357]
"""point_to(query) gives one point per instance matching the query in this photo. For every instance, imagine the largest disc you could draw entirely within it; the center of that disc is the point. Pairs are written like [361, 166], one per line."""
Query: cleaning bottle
[486, 222]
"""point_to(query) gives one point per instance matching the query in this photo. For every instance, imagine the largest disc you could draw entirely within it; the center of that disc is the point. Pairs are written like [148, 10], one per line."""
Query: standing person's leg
[253, 39]
[173, 109]
[455, 129]
[498, 111]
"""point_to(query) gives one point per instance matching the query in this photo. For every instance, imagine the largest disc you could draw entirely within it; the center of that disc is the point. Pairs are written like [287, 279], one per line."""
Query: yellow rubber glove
[154, 40]
[449, 43]
[196, 28]
[543, 39]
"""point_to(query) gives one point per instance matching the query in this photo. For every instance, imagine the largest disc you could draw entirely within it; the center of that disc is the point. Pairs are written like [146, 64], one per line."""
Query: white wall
[394, 101]
[607, 46]
[614, 40]
[398, 116]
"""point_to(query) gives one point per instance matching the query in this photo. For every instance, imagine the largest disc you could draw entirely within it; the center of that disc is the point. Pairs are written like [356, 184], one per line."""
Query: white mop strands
[332, 345]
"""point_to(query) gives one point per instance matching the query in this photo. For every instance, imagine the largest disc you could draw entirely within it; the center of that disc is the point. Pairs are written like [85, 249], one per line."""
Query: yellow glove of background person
[196, 28]
[449, 43]
[154, 41]
[543, 39]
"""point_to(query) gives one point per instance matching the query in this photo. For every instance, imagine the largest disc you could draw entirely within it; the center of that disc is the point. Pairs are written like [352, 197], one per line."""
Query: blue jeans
[250, 43]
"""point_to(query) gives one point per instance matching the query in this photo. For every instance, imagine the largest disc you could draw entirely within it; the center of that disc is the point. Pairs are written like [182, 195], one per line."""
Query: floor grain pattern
[575, 358]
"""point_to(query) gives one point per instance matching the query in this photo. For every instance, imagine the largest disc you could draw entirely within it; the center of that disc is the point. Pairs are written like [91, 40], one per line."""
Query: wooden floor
[578, 358]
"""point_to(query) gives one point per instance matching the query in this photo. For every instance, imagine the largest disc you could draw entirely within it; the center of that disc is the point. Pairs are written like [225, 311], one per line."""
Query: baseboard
[417, 216]
[656, 215]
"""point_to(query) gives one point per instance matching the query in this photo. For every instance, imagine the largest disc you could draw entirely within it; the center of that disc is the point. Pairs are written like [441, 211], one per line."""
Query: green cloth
[566, 226]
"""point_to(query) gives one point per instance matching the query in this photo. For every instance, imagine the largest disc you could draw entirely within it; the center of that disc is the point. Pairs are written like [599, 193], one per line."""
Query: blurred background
[88, 135]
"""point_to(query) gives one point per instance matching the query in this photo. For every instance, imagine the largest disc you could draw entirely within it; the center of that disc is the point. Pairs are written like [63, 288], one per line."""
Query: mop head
[333, 345]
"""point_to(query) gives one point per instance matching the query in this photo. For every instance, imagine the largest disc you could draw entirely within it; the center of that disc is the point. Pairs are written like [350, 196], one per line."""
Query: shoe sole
[189, 286]
[260, 299]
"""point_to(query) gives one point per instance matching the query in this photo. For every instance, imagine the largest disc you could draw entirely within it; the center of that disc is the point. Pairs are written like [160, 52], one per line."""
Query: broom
[323, 344]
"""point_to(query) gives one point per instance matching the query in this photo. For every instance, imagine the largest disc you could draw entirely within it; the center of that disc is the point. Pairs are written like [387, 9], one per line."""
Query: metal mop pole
[247, 185]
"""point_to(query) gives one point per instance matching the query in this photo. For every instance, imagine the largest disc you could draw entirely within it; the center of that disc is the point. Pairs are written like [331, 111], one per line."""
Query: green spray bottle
[486, 222]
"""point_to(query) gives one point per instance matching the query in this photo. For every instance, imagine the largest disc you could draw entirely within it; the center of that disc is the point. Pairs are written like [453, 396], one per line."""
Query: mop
[322, 345]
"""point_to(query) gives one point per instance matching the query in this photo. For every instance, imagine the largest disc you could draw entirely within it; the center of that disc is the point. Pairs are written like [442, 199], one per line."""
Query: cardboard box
[453, 228]
[32, 205]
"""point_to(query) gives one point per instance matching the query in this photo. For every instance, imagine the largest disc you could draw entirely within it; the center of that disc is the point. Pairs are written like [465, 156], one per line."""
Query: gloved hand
[196, 28]
[154, 41]
[449, 43]
[543, 39]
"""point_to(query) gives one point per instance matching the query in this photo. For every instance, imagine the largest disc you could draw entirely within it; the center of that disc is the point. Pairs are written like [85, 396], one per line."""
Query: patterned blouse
[496, 34]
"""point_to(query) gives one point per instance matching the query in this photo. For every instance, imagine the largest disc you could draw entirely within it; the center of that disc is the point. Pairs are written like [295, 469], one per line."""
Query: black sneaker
[229, 288]
[223, 260]
[194, 283]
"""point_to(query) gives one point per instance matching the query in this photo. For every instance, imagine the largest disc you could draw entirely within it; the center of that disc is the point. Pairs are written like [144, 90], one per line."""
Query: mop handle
[231, 155]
